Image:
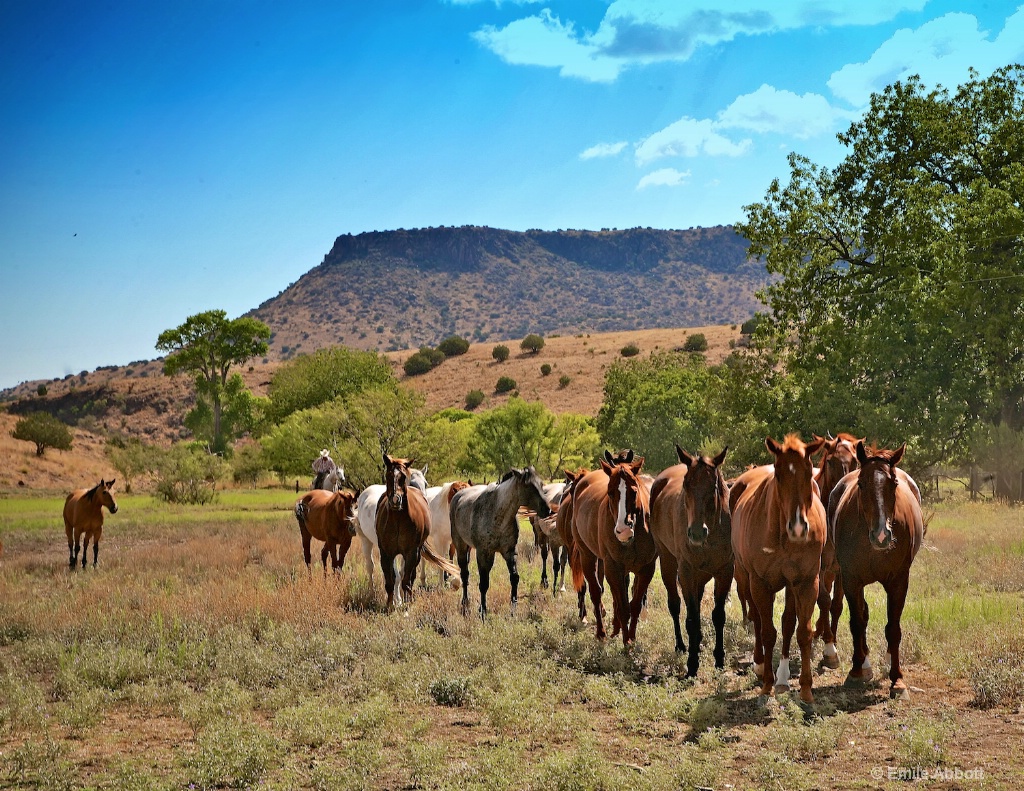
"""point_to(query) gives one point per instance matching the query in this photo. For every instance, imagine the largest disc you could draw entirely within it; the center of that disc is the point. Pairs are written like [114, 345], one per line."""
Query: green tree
[206, 345]
[315, 379]
[453, 346]
[697, 342]
[131, 458]
[651, 404]
[248, 464]
[532, 343]
[898, 305]
[505, 384]
[188, 473]
[511, 435]
[417, 364]
[474, 398]
[44, 430]
[500, 352]
[572, 442]
[242, 412]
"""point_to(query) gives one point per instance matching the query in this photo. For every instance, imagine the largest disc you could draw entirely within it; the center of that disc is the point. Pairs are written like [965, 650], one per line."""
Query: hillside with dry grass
[139, 401]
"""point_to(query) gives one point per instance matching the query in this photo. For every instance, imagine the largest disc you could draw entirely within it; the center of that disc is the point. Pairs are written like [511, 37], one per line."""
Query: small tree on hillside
[500, 352]
[44, 430]
[131, 458]
[532, 343]
[696, 343]
[454, 346]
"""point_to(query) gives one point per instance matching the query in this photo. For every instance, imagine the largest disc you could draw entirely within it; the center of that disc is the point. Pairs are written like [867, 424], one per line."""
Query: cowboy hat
[325, 452]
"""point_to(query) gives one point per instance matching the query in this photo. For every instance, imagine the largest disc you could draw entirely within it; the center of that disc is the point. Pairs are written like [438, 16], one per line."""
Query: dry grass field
[201, 655]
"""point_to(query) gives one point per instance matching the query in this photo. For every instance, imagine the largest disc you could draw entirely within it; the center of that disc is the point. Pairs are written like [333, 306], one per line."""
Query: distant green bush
[696, 343]
[474, 398]
[545, 369]
[417, 364]
[505, 384]
[453, 346]
[750, 325]
[563, 381]
[500, 352]
[532, 343]
[629, 350]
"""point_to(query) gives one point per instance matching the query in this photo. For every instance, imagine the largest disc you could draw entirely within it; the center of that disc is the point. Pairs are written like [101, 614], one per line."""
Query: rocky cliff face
[405, 288]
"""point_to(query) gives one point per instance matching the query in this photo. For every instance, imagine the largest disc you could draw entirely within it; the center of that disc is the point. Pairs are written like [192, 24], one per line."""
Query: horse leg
[368, 557]
[693, 593]
[743, 593]
[72, 558]
[555, 567]
[409, 563]
[831, 657]
[85, 548]
[324, 553]
[641, 581]
[95, 550]
[463, 555]
[861, 669]
[544, 564]
[513, 577]
[669, 576]
[895, 598]
[806, 595]
[590, 571]
[618, 582]
[723, 582]
[306, 553]
[484, 563]
[789, 619]
[764, 603]
[565, 564]
[387, 568]
[824, 602]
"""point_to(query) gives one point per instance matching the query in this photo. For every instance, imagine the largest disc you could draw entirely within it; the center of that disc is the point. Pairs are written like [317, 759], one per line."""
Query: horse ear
[608, 456]
[813, 447]
[684, 457]
[862, 455]
[895, 459]
[717, 461]
[387, 460]
[110, 483]
[629, 456]
[773, 447]
[606, 466]
[637, 464]
[425, 467]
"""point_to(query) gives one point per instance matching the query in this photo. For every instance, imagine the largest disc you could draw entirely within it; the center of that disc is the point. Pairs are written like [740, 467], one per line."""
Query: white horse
[333, 481]
[366, 510]
[440, 539]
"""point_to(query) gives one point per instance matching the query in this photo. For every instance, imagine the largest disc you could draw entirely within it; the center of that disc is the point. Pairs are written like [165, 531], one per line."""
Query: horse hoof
[858, 680]
[899, 691]
[758, 669]
[779, 689]
[806, 696]
[831, 662]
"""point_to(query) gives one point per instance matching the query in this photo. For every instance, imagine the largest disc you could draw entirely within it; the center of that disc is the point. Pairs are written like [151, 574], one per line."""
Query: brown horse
[778, 534]
[83, 516]
[611, 523]
[329, 517]
[563, 524]
[403, 525]
[692, 529]
[875, 514]
[839, 457]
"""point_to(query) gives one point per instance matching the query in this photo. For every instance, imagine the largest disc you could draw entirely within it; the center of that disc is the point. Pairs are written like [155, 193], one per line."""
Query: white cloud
[603, 150]
[666, 177]
[771, 110]
[544, 41]
[635, 32]
[688, 137]
[940, 51]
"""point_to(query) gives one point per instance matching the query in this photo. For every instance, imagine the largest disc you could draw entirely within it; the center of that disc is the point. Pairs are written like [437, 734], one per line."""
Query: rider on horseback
[323, 466]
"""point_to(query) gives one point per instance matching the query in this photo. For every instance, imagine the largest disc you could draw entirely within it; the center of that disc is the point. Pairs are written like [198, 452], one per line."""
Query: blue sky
[159, 159]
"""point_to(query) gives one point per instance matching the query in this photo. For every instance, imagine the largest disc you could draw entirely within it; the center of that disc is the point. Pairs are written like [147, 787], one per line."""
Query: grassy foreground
[201, 655]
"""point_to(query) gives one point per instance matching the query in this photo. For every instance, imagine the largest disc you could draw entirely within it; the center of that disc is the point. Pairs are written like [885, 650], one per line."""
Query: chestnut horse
[329, 517]
[611, 523]
[83, 516]
[402, 526]
[563, 524]
[692, 529]
[875, 514]
[839, 457]
[778, 532]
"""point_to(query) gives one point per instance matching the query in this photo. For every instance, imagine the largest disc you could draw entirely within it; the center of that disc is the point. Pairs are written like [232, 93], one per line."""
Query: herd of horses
[820, 533]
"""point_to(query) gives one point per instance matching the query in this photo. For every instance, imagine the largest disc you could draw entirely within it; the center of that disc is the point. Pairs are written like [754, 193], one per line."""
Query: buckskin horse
[83, 516]
[692, 529]
[485, 518]
[875, 513]
[611, 523]
[402, 527]
[328, 517]
[778, 532]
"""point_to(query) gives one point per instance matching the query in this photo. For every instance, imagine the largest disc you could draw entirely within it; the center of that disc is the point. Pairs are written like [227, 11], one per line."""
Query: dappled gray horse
[484, 518]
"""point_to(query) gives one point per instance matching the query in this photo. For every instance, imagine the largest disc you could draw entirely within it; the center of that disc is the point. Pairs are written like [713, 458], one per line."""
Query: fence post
[974, 484]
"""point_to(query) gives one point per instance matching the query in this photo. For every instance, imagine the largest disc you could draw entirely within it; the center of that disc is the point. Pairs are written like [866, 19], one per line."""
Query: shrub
[505, 384]
[696, 343]
[435, 356]
[41, 390]
[474, 398]
[750, 325]
[545, 369]
[563, 381]
[532, 343]
[629, 350]
[500, 352]
[188, 475]
[454, 346]
[44, 430]
[417, 364]
[450, 691]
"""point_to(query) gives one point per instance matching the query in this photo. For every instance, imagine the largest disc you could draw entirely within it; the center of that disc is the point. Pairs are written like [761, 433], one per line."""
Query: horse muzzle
[696, 535]
[396, 502]
[624, 534]
[797, 528]
[882, 538]
[114, 509]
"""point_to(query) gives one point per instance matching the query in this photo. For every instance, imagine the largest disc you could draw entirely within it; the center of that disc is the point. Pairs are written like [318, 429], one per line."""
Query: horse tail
[301, 512]
[445, 565]
[576, 564]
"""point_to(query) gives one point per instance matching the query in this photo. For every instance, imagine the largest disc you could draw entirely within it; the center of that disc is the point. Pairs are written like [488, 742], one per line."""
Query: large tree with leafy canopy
[899, 306]
[207, 345]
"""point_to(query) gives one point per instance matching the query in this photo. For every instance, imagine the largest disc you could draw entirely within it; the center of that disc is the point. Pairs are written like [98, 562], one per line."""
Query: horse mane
[848, 437]
[793, 442]
[875, 452]
[506, 476]
[92, 492]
